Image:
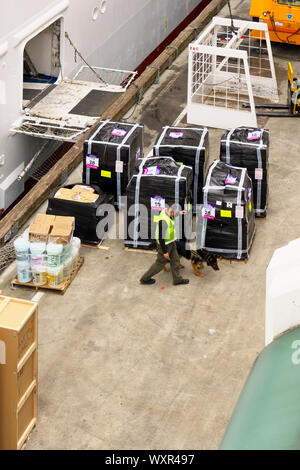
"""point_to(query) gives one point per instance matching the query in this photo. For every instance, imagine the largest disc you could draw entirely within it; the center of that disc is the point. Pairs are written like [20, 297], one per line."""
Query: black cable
[232, 28]
[136, 103]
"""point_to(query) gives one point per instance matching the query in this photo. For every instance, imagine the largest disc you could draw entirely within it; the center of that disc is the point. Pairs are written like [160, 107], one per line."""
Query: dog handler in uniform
[167, 250]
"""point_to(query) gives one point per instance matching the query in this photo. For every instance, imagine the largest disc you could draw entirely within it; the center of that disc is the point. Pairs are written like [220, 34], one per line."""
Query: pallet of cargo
[61, 288]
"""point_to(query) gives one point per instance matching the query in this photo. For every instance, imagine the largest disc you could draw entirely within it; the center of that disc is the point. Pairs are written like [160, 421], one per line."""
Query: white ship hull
[117, 34]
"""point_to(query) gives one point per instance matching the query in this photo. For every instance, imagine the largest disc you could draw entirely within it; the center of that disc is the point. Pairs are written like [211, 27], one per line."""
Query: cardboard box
[82, 194]
[39, 232]
[77, 189]
[41, 227]
[65, 221]
[18, 371]
[44, 219]
[62, 230]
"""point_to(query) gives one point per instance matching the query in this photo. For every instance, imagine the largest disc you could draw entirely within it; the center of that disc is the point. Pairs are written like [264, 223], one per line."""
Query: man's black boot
[182, 281]
[151, 281]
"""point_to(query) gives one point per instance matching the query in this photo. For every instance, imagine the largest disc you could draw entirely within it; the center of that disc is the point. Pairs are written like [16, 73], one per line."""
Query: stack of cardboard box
[55, 229]
[84, 194]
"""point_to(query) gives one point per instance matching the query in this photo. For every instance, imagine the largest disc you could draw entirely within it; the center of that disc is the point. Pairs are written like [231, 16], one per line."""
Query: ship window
[291, 3]
[103, 6]
[95, 13]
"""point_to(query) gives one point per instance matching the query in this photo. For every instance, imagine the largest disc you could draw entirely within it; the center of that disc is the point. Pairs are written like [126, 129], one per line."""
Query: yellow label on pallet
[106, 174]
[179, 163]
[226, 214]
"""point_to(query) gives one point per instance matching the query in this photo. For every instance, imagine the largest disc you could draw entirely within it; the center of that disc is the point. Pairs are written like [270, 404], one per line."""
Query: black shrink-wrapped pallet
[157, 182]
[87, 215]
[188, 146]
[248, 147]
[109, 156]
[227, 224]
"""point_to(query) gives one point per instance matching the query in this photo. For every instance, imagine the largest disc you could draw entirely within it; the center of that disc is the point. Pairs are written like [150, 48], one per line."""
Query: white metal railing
[228, 66]
[117, 80]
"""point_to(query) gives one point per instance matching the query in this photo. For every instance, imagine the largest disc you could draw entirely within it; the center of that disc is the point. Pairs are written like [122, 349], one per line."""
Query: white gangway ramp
[283, 291]
[229, 64]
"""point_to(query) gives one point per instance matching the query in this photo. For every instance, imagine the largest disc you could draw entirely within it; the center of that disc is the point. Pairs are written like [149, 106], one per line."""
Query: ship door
[41, 62]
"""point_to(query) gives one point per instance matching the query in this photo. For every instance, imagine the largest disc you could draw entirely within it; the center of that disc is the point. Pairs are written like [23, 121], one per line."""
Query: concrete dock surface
[125, 366]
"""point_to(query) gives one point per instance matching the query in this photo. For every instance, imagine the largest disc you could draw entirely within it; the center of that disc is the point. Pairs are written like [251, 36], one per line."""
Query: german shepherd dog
[197, 257]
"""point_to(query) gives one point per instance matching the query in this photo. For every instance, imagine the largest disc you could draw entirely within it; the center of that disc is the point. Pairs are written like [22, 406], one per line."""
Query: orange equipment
[282, 18]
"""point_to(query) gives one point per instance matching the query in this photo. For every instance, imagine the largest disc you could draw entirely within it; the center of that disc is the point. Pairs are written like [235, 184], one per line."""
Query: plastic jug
[39, 275]
[68, 268]
[21, 246]
[66, 252]
[55, 276]
[24, 271]
[38, 256]
[75, 251]
[54, 252]
[75, 257]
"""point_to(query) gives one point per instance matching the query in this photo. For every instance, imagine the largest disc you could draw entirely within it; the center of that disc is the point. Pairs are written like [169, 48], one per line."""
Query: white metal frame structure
[228, 66]
[116, 80]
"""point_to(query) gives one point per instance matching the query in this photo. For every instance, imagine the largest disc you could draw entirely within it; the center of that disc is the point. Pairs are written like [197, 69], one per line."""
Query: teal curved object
[267, 415]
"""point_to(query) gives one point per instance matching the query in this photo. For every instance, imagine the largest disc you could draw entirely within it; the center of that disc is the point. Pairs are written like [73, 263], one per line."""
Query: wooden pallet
[99, 246]
[61, 289]
[139, 250]
[245, 261]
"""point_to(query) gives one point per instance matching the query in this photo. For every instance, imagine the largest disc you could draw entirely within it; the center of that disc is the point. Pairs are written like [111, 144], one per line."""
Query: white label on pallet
[152, 171]
[119, 132]
[239, 212]
[176, 135]
[119, 166]
[158, 203]
[92, 161]
[259, 172]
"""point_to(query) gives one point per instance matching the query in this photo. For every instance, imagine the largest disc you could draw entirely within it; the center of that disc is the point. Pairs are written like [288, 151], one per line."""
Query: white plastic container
[68, 265]
[66, 252]
[39, 276]
[75, 257]
[21, 246]
[76, 242]
[55, 276]
[38, 255]
[24, 271]
[54, 255]
[75, 251]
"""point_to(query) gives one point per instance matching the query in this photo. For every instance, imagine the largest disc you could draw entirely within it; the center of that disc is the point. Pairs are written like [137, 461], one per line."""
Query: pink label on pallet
[209, 212]
[158, 203]
[255, 135]
[92, 161]
[230, 179]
